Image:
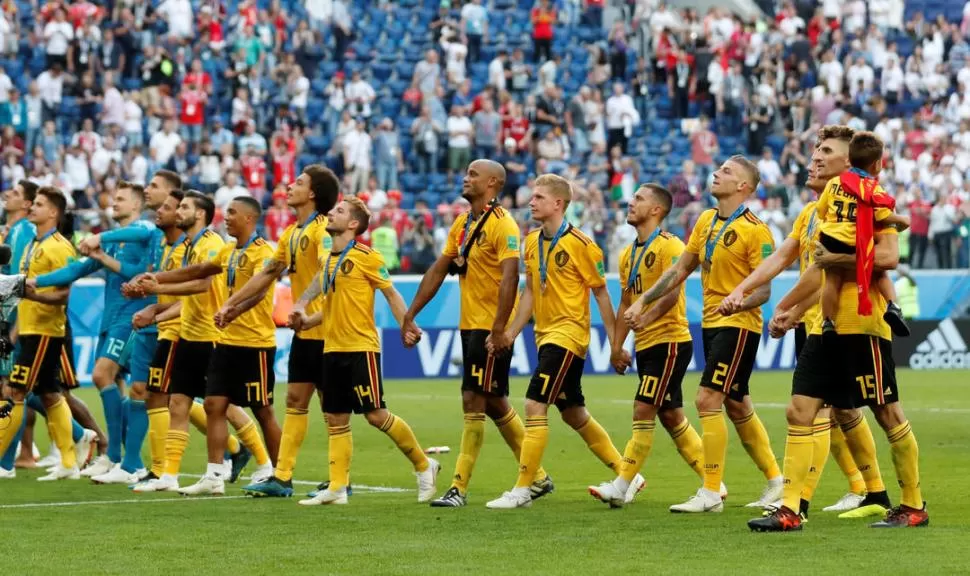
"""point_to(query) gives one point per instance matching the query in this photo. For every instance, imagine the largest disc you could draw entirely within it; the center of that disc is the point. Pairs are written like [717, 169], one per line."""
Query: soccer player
[186, 370]
[664, 347]
[122, 261]
[352, 351]
[562, 266]
[728, 242]
[313, 194]
[483, 249]
[41, 317]
[829, 159]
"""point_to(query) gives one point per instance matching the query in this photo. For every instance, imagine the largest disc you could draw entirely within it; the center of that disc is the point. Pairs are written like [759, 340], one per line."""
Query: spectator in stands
[103, 157]
[417, 245]
[621, 117]
[358, 153]
[758, 117]
[279, 215]
[342, 28]
[252, 139]
[427, 73]
[942, 224]
[460, 134]
[552, 150]
[516, 164]
[474, 24]
[919, 215]
[769, 169]
[543, 18]
[231, 189]
[58, 35]
[360, 95]
[254, 170]
[487, 128]
[385, 240]
[499, 70]
[388, 159]
[550, 110]
[519, 74]
[773, 215]
[455, 52]
[426, 131]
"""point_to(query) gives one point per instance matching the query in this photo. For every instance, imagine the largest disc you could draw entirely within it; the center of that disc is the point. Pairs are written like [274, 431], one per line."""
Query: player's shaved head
[249, 204]
[492, 169]
[483, 178]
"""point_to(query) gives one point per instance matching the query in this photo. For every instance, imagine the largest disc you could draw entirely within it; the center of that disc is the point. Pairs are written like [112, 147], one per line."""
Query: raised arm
[126, 270]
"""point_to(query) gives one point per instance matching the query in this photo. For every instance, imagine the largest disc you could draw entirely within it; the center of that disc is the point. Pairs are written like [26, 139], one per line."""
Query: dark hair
[177, 194]
[865, 149]
[202, 202]
[29, 188]
[251, 202]
[55, 196]
[662, 195]
[325, 187]
[138, 191]
[173, 179]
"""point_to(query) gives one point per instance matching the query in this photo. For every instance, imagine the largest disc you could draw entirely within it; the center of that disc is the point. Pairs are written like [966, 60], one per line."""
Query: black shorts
[869, 369]
[38, 364]
[661, 369]
[243, 375]
[558, 378]
[801, 334]
[835, 246]
[306, 362]
[817, 375]
[352, 382]
[190, 365]
[160, 370]
[68, 371]
[482, 372]
[729, 355]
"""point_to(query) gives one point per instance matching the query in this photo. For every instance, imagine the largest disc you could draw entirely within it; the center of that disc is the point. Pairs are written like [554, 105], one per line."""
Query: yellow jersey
[561, 311]
[172, 255]
[497, 242]
[348, 304]
[255, 327]
[805, 231]
[837, 211]
[198, 310]
[662, 253]
[299, 249]
[42, 256]
[739, 250]
[848, 318]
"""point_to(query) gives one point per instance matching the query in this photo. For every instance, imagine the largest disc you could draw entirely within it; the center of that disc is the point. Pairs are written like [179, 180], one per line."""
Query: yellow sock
[402, 435]
[637, 449]
[689, 445]
[159, 420]
[905, 453]
[250, 438]
[198, 418]
[859, 439]
[843, 457]
[715, 438]
[294, 431]
[754, 437]
[821, 433]
[472, 436]
[533, 445]
[175, 443]
[59, 423]
[12, 422]
[799, 448]
[341, 445]
[600, 444]
[513, 431]
[232, 444]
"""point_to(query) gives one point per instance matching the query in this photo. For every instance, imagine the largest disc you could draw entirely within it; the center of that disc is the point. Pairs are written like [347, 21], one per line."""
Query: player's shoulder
[59, 242]
[670, 241]
[705, 219]
[532, 238]
[144, 224]
[749, 218]
[261, 246]
[578, 237]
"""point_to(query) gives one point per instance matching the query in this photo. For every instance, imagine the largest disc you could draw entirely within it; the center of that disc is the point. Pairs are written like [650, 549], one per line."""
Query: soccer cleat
[514, 498]
[703, 501]
[262, 474]
[148, 476]
[166, 483]
[874, 504]
[8, 474]
[239, 461]
[608, 493]
[115, 476]
[208, 484]
[84, 448]
[325, 496]
[100, 465]
[636, 486]
[274, 487]
[61, 473]
[850, 501]
[894, 317]
[426, 481]
[781, 520]
[52, 459]
[724, 491]
[771, 493]
[903, 516]
[540, 488]
[324, 485]
[451, 499]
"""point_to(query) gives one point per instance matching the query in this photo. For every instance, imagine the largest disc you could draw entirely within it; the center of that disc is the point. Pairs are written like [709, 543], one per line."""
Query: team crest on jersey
[730, 237]
[243, 260]
[38, 253]
[304, 242]
[562, 258]
[650, 259]
[347, 266]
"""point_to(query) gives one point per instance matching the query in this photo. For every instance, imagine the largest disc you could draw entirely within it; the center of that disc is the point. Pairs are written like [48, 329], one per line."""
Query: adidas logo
[943, 348]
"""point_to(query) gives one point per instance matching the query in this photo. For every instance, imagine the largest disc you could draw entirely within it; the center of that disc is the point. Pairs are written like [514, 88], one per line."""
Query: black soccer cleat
[239, 461]
[451, 499]
[904, 516]
[781, 520]
[894, 317]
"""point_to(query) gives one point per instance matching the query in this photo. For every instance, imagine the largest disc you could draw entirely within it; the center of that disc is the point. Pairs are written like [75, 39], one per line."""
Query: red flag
[864, 190]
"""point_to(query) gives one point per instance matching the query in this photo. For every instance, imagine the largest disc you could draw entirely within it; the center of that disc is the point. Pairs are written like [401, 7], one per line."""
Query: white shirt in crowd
[178, 14]
[301, 92]
[857, 73]
[138, 169]
[832, 73]
[361, 90]
[547, 73]
[225, 195]
[903, 171]
[357, 149]
[114, 107]
[51, 89]
[619, 110]
[101, 160]
[58, 36]
[455, 53]
[164, 145]
[770, 171]
[76, 168]
[496, 74]
[459, 132]
[133, 116]
[5, 86]
[892, 80]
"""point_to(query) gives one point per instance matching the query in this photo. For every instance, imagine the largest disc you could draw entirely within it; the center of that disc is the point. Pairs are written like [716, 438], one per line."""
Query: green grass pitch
[108, 530]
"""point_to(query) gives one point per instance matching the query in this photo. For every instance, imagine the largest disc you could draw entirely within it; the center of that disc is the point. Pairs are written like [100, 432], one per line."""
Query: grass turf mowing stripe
[109, 502]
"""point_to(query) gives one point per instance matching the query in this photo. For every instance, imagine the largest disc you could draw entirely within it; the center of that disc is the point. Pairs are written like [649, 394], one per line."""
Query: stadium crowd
[397, 97]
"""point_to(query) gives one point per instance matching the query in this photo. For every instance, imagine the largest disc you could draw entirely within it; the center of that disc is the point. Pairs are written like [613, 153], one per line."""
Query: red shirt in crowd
[254, 172]
[515, 128]
[542, 22]
[398, 218]
[193, 107]
[277, 220]
[199, 81]
[919, 217]
[284, 166]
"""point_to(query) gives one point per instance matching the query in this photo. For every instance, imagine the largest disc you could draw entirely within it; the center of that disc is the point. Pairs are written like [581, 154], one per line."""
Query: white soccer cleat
[326, 496]
[774, 505]
[261, 474]
[115, 476]
[772, 492]
[208, 484]
[635, 487]
[850, 501]
[514, 498]
[724, 491]
[61, 473]
[100, 465]
[84, 448]
[52, 459]
[8, 474]
[166, 483]
[426, 481]
[704, 501]
[608, 493]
